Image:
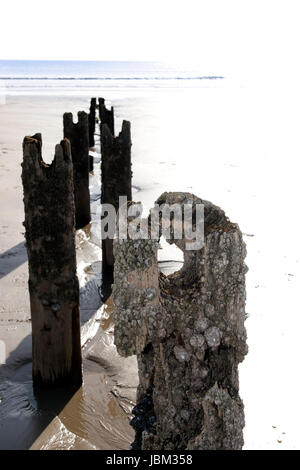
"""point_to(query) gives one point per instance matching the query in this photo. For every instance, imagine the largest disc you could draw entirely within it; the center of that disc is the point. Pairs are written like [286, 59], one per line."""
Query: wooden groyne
[186, 329]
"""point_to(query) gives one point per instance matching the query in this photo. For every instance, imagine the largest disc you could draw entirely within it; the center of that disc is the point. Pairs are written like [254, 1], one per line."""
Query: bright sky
[222, 35]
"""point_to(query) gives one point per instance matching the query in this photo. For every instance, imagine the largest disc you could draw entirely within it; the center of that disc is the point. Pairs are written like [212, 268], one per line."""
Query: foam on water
[85, 77]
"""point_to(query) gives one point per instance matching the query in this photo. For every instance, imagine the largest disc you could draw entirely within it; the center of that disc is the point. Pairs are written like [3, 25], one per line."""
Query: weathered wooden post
[53, 283]
[106, 116]
[187, 330]
[92, 122]
[91, 163]
[116, 178]
[78, 135]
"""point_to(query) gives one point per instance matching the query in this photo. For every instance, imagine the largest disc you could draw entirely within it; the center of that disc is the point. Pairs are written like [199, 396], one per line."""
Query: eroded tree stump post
[53, 283]
[106, 116]
[78, 135]
[187, 330]
[116, 176]
[92, 122]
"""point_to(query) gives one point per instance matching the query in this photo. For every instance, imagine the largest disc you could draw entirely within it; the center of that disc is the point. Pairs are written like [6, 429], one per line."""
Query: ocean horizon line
[204, 77]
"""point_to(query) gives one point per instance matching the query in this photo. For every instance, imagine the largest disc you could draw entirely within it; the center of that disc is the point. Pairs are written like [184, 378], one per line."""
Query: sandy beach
[223, 151]
[210, 92]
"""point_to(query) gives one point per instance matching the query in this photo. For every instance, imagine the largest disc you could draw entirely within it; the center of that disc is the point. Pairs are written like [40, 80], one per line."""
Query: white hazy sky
[224, 36]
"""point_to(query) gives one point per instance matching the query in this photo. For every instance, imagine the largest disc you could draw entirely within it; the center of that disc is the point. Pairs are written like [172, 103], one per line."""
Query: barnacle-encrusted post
[92, 122]
[188, 335]
[116, 178]
[53, 283]
[78, 135]
[106, 116]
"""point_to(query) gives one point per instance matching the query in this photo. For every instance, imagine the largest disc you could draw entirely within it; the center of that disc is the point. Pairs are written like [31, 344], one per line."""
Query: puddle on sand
[98, 413]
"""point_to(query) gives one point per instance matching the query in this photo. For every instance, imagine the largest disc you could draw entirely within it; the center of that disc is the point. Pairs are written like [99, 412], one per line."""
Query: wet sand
[227, 152]
[94, 417]
[97, 415]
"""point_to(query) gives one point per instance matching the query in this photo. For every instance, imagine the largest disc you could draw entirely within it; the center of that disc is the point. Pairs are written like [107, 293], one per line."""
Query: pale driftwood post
[106, 116]
[53, 283]
[78, 135]
[92, 122]
[187, 330]
[116, 178]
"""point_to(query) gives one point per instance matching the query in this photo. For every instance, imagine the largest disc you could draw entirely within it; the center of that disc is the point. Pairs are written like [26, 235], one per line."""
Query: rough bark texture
[78, 135]
[92, 122]
[116, 178]
[187, 330]
[106, 116]
[53, 283]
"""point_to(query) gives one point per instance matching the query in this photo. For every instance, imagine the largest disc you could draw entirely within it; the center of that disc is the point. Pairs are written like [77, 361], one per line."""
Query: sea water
[84, 77]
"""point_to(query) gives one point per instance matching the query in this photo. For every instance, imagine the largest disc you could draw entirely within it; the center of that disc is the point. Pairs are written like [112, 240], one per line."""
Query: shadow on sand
[11, 259]
[26, 411]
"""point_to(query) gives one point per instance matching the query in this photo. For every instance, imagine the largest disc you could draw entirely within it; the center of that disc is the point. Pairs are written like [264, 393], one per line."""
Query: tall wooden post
[106, 116]
[78, 135]
[116, 178]
[53, 283]
[92, 122]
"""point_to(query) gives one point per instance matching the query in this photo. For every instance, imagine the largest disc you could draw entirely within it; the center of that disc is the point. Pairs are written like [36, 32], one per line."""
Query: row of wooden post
[57, 201]
[186, 329]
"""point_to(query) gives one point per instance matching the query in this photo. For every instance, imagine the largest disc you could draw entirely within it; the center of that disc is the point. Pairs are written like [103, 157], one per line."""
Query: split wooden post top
[78, 135]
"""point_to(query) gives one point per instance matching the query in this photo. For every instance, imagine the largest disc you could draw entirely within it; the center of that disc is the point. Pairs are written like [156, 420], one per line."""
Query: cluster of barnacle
[134, 254]
[144, 419]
